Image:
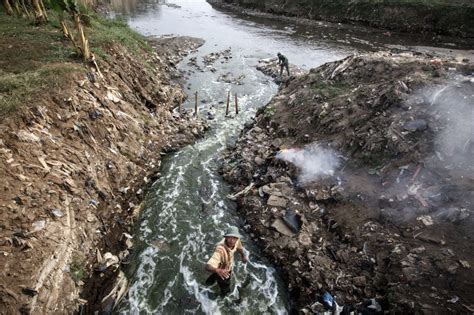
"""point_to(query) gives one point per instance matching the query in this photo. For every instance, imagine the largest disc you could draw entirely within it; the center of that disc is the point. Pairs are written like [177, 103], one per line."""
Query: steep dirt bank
[74, 165]
[442, 17]
[361, 183]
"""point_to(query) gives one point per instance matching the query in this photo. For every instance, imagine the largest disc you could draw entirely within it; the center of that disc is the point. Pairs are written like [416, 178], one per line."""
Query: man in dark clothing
[283, 62]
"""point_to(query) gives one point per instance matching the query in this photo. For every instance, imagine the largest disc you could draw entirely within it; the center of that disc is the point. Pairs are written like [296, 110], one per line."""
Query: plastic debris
[293, 220]
[57, 213]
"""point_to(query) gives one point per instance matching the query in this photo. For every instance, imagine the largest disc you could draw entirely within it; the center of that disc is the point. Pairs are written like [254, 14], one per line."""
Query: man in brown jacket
[221, 262]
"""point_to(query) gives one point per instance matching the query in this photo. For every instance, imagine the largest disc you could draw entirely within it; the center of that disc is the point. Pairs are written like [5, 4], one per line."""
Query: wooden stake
[196, 103]
[236, 105]
[228, 103]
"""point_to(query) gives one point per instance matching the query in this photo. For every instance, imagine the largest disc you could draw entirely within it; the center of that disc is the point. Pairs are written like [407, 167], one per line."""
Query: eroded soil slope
[74, 163]
[360, 182]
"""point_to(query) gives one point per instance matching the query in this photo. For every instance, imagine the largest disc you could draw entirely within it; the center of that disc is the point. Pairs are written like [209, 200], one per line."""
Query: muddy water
[187, 209]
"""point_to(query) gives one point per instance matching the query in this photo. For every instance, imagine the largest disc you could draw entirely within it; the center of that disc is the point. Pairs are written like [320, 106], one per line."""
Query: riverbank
[452, 18]
[359, 182]
[79, 148]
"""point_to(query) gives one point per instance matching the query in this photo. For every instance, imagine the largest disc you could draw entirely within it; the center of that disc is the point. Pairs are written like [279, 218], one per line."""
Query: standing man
[221, 262]
[283, 62]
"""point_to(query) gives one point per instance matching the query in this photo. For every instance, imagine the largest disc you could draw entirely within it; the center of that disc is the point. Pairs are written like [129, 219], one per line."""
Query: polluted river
[187, 208]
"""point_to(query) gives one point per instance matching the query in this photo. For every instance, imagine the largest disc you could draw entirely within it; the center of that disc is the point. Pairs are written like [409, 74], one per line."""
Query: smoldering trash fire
[313, 161]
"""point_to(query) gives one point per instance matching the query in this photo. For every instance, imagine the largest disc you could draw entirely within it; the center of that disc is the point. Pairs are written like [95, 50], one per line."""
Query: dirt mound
[362, 182]
[75, 163]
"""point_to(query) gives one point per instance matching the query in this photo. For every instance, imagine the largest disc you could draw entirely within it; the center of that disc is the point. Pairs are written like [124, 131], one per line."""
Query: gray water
[187, 209]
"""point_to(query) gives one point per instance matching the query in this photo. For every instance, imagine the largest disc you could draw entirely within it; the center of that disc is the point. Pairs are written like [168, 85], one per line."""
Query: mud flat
[356, 179]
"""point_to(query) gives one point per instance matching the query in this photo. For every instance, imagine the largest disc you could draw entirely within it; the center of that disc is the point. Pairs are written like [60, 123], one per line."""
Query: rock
[281, 227]
[275, 201]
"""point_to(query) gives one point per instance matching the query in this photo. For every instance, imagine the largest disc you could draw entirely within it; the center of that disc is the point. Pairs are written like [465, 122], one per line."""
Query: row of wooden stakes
[227, 106]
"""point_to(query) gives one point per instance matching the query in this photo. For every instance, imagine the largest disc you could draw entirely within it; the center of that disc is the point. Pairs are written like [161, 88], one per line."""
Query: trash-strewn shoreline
[356, 182]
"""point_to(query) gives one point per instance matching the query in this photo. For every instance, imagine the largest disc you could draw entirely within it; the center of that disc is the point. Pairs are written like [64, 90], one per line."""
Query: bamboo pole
[236, 105]
[84, 42]
[8, 7]
[195, 103]
[228, 104]
[25, 9]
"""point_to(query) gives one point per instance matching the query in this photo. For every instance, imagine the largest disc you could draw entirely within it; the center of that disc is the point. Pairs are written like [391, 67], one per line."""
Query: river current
[187, 211]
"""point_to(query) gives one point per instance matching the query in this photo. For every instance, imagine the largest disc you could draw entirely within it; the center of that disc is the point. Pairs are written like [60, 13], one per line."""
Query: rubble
[391, 219]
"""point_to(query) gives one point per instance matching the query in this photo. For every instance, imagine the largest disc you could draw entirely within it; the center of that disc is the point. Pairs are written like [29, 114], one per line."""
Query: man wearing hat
[221, 262]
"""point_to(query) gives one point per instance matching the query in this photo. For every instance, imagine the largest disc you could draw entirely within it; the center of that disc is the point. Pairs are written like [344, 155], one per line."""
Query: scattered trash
[38, 226]
[292, 220]
[93, 203]
[426, 220]
[57, 213]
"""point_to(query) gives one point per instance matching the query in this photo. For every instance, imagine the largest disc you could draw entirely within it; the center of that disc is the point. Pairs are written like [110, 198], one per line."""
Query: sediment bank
[77, 158]
[452, 18]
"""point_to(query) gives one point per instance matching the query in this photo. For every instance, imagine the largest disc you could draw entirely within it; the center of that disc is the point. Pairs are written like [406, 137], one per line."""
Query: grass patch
[26, 47]
[20, 89]
[328, 91]
[103, 32]
[36, 60]
[77, 267]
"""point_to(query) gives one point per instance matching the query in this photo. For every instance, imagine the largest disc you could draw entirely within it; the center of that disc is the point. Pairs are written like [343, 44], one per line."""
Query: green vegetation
[269, 111]
[20, 89]
[77, 267]
[34, 59]
[105, 32]
[450, 17]
[328, 91]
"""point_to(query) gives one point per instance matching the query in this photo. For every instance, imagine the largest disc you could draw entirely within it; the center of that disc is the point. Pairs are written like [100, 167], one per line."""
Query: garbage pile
[357, 181]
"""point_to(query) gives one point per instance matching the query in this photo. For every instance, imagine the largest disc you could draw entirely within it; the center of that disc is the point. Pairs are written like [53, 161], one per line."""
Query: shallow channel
[187, 209]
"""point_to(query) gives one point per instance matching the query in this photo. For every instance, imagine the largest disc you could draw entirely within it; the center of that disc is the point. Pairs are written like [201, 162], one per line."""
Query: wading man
[221, 262]
[283, 62]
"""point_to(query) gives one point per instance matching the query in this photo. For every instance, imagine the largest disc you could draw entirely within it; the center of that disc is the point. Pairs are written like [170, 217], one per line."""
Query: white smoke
[313, 161]
[454, 104]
